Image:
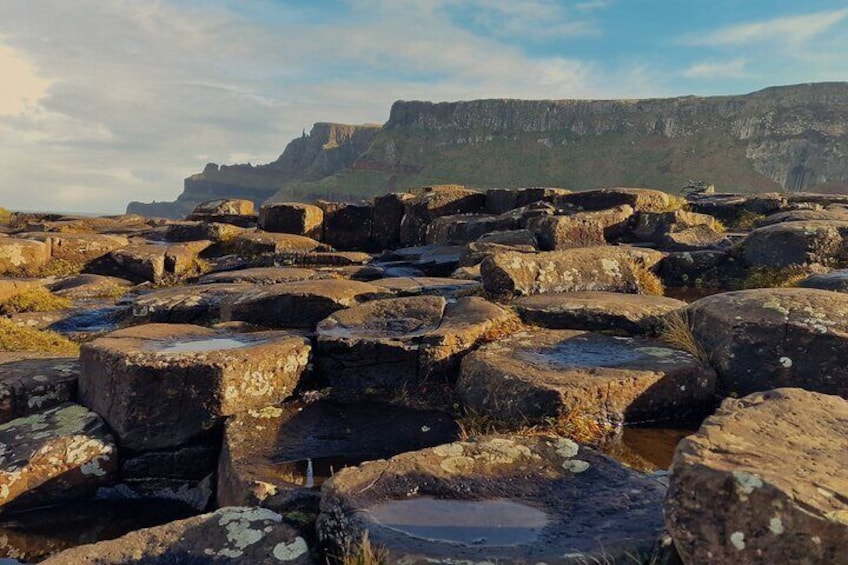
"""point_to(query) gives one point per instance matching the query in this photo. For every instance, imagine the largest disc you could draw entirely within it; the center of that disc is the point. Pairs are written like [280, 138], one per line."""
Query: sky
[107, 101]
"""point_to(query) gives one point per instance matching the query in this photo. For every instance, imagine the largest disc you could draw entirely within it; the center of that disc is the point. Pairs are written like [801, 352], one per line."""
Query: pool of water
[467, 522]
[591, 351]
[647, 449]
[93, 320]
[200, 345]
[37, 534]
[311, 473]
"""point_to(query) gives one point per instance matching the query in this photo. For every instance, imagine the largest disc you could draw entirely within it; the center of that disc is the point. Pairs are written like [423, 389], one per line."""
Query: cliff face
[327, 149]
[781, 138]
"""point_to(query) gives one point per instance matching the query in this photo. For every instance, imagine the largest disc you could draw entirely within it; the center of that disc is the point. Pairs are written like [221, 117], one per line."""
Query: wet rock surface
[160, 385]
[229, 535]
[278, 457]
[196, 304]
[596, 311]
[763, 481]
[513, 500]
[767, 338]
[32, 385]
[62, 453]
[533, 376]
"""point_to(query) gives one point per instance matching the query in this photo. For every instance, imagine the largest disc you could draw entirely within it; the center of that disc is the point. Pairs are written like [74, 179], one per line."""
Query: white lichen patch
[746, 483]
[502, 451]
[566, 448]
[785, 362]
[290, 551]
[738, 540]
[266, 413]
[240, 530]
[457, 465]
[575, 465]
[776, 526]
[449, 450]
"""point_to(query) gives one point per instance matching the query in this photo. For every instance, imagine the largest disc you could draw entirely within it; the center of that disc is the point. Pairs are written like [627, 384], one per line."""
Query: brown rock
[62, 453]
[258, 242]
[458, 229]
[796, 243]
[160, 385]
[803, 216]
[201, 230]
[596, 311]
[603, 268]
[193, 304]
[500, 200]
[386, 218]
[300, 304]
[150, 262]
[437, 286]
[225, 207]
[228, 536]
[533, 376]
[88, 286]
[581, 229]
[390, 348]
[11, 287]
[18, 254]
[431, 202]
[763, 481]
[347, 226]
[640, 199]
[771, 337]
[291, 217]
[260, 275]
[78, 248]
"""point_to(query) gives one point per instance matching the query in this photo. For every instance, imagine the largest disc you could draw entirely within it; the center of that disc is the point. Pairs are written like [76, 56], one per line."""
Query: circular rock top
[628, 313]
[766, 338]
[501, 499]
[763, 481]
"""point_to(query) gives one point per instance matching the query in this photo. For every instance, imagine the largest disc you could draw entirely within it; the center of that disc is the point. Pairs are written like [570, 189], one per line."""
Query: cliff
[327, 149]
[781, 138]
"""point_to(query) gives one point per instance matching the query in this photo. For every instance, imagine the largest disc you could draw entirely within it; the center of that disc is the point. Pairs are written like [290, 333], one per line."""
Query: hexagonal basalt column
[160, 385]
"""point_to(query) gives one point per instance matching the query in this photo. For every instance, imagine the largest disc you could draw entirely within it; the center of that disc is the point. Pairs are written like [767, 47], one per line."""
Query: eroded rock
[32, 385]
[291, 217]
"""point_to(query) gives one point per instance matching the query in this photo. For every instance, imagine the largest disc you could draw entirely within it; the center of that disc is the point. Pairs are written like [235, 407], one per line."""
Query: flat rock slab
[78, 248]
[261, 275]
[62, 453]
[796, 243]
[31, 385]
[771, 337]
[500, 499]
[258, 242]
[18, 253]
[279, 456]
[596, 311]
[533, 376]
[300, 304]
[160, 385]
[437, 286]
[603, 268]
[229, 535]
[763, 481]
[390, 348]
[149, 262]
[835, 280]
[194, 304]
[88, 286]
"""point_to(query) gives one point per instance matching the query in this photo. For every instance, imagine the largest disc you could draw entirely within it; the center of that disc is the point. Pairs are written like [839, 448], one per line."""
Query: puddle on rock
[37, 534]
[467, 522]
[647, 449]
[201, 345]
[585, 352]
[94, 320]
[311, 473]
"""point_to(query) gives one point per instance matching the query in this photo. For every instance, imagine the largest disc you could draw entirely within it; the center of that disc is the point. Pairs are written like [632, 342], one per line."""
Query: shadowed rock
[291, 217]
[194, 304]
[32, 385]
[763, 481]
[796, 243]
[835, 280]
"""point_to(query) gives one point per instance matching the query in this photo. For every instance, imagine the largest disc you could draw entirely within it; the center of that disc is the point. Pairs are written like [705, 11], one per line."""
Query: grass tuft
[677, 332]
[745, 221]
[364, 553]
[34, 300]
[646, 281]
[577, 424]
[675, 203]
[53, 268]
[774, 277]
[14, 337]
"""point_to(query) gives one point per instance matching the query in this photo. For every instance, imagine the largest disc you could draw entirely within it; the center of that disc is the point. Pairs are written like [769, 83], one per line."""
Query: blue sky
[106, 101]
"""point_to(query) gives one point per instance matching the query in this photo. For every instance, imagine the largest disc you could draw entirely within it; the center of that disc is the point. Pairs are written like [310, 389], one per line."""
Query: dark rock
[31, 385]
[292, 217]
[78, 248]
[640, 199]
[259, 242]
[835, 280]
[88, 286]
[260, 275]
[347, 226]
[194, 304]
[796, 243]
[198, 231]
[431, 202]
[581, 229]
[386, 218]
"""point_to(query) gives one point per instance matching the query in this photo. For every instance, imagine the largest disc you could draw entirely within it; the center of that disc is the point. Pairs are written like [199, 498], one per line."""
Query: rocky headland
[439, 375]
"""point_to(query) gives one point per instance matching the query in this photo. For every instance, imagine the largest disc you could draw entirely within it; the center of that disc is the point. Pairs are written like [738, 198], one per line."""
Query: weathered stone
[766, 338]
[500, 200]
[278, 457]
[31, 385]
[796, 243]
[497, 499]
[259, 242]
[763, 481]
[150, 262]
[435, 260]
[464, 228]
[834, 280]
[837, 214]
[695, 238]
[386, 218]
[640, 199]
[62, 453]
[230, 535]
[581, 229]
[88, 286]
[533, 376]
[300, 304]
[387, 348]
[605, 268]
[432, 202]
[260, 275]
[225, 207]
[78, 248]
[11, 287]
[292, 217]
[705, 268]
[192, 462]
[438, 286]
[18, 254]
[201, 230]
[194, 304]
[160, 385]
[323, 258]
[347, 226]
[597, 311]
[731, 208]
[654, 226]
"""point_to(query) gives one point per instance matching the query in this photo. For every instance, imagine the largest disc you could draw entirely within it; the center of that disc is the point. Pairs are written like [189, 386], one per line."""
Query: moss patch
[774, 277]
[14, 337]
[34, 300]
[53, 268]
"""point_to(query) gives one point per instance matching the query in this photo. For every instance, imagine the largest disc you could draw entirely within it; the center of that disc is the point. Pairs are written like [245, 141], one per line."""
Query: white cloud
[22, 85]
[790, 29]
[734, 68]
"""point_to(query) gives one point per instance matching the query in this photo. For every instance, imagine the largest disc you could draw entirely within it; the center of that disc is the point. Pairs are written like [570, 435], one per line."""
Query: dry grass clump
[14, 337]
[34, 300]
[53, 268]
[5, 217]
[745, 220]
[675, 203]
[676, 331]
[774, 277]
[364, 553]
[577, 424]
[646, 281]
[503, 329]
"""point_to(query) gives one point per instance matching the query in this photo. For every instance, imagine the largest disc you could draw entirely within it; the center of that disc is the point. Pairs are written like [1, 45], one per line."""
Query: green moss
[53, 268]
[35, 300]
[14, 337]
[774, 277]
